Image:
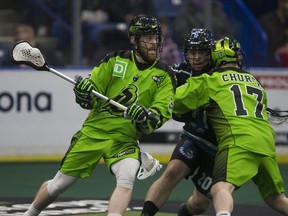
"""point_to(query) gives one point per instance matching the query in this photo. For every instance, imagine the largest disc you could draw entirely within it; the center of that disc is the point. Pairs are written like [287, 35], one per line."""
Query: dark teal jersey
[117, 76]
[236, 106]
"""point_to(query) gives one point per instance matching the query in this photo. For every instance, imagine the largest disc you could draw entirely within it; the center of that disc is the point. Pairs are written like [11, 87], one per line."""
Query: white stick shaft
[97, 94]
[62, 75]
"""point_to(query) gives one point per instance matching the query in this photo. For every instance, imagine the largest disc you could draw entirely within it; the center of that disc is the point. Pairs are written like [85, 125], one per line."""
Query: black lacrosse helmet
[144, 25]
[199, 39]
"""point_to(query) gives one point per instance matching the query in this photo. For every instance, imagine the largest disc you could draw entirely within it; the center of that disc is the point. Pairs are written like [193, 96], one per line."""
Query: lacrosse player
[194, 154]
[236, 107]
[136, 79]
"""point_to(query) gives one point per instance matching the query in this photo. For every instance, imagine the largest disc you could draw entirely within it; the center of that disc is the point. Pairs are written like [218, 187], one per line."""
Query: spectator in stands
[274, 24]
[101, 11]
[111, 18]
[109, 40]
[192, 15]
[124, 11]
[93, 11]
[26, 32]
[52, 18]
[282, 52]
[170, 51]
[39, 19]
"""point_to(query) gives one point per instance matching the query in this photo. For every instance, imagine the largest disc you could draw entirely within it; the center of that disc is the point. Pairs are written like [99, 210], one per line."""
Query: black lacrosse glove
[146, 120]
[83, 93]
[136, 112]
[151, 124]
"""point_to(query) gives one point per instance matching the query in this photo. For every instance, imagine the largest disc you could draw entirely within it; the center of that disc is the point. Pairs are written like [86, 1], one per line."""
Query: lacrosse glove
[83, 93]
[146, 120]
[136, 112]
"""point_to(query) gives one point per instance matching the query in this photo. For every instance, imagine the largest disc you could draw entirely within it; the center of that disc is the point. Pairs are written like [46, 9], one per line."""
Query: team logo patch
[186, 151]
[157, 79]
[126, 152]
[126, 96]
[119, 69]
[135, 78]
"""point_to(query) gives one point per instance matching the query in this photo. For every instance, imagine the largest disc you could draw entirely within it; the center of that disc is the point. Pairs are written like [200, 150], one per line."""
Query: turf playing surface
[20, 181]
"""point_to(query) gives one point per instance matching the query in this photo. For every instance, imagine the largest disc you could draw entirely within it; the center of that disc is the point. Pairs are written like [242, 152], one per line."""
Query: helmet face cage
[199, 39]
[227, 50]
[145, 25]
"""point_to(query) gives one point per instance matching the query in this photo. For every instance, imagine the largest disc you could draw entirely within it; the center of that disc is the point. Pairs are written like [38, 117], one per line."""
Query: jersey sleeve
[163, 101]
[192, 95]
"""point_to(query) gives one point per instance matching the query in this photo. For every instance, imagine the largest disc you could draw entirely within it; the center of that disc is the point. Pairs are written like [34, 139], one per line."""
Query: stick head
[23, 53]
[148, 167]
[275, 118]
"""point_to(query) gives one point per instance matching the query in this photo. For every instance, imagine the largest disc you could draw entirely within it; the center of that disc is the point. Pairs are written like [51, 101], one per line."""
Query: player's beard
[149, 52]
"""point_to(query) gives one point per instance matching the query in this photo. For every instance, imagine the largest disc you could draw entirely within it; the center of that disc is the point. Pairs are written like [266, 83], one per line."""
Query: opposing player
[135, 79]
[194, 154]
[236, 107]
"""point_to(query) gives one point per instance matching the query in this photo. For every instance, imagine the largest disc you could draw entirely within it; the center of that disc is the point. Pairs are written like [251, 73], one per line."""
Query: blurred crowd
[104, 26]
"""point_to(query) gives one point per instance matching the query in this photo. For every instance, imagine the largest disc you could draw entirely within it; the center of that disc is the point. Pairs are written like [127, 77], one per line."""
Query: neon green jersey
[236, 105]
[118, 78]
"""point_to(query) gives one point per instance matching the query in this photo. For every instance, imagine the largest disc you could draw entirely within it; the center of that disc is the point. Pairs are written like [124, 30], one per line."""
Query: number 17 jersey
[236, 106]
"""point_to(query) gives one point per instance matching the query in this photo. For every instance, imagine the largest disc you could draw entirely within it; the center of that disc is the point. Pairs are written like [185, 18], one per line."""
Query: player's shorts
[199, 161]
[237, 166]
[85, 153]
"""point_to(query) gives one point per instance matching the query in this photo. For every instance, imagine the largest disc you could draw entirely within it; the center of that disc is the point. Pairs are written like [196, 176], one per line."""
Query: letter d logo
[119, 69]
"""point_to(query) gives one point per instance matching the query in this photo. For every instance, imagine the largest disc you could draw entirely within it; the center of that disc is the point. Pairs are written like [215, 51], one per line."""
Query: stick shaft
[62, 75]
[97, 94]
[36, 60]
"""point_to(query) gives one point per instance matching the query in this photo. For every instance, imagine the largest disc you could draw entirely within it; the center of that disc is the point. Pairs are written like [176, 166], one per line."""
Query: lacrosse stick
[148, 167]
[275, 118]
[23, 53]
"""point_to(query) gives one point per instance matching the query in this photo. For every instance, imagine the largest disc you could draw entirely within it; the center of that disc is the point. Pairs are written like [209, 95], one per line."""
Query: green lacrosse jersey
[119, 77]
[236, 106]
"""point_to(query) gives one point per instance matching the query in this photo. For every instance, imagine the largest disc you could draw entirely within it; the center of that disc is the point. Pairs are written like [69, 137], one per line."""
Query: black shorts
[200, 162]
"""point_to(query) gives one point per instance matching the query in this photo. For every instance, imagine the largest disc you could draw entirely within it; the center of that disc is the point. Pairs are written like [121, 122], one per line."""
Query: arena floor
[19, 183]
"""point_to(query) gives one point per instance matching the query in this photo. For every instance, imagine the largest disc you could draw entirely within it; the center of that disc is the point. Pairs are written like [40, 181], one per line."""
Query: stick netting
[276, 118]
[24, 53]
